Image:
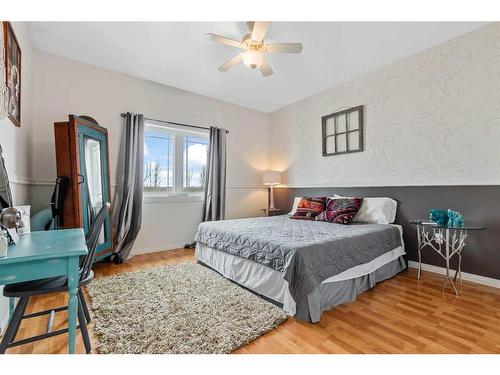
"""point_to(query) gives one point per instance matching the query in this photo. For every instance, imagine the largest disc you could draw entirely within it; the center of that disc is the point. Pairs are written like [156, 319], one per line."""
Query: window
[174, 160]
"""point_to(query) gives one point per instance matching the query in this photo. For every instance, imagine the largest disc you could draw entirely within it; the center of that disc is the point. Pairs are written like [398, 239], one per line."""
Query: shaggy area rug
[185, 308]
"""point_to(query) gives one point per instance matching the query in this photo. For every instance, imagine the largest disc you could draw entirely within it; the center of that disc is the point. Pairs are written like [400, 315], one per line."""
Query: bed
[306, 267]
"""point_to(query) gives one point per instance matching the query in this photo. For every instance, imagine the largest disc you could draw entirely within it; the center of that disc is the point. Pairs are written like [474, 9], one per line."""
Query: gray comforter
[307, 252]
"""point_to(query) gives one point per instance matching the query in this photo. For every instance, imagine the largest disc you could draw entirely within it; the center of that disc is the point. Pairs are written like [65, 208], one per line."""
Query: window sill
[163, 198]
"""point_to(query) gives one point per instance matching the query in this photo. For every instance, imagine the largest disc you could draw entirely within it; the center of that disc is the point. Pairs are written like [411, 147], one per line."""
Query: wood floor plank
[400, 315]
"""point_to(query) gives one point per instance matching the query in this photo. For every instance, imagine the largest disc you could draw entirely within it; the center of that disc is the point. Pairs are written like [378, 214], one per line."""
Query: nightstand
[272, 211]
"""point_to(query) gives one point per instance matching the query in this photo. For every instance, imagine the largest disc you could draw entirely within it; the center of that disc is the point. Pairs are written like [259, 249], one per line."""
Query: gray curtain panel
[127, 209]
[215, 188]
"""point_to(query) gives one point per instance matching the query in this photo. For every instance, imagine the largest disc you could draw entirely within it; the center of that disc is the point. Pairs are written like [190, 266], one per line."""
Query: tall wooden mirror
[82, 156]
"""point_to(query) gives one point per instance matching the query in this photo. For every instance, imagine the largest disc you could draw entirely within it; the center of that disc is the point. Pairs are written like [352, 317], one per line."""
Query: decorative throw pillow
[309, 208]
[340, 211]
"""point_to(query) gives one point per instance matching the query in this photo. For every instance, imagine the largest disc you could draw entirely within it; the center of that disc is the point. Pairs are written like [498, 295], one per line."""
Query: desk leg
[12, 306]
[73, 278]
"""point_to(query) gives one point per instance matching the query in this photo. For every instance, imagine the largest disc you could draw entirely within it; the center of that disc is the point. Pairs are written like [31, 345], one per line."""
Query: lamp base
[271, 201]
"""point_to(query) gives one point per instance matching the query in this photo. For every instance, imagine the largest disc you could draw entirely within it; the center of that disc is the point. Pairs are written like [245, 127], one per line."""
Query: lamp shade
[271, 178]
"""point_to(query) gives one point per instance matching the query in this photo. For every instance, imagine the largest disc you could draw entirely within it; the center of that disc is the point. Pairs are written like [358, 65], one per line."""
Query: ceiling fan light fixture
[254, 48]
[252, 58]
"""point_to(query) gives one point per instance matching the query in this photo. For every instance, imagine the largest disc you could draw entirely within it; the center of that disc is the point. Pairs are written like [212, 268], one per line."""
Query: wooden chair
[27, 289]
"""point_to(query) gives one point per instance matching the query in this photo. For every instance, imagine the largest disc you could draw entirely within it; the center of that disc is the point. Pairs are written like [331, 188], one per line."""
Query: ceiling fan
[254, 48]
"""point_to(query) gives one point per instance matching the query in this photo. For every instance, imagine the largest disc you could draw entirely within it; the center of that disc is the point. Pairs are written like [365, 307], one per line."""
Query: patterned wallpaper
[430, 119]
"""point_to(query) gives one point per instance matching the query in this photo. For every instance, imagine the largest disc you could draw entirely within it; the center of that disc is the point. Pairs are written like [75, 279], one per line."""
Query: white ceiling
[177, 54]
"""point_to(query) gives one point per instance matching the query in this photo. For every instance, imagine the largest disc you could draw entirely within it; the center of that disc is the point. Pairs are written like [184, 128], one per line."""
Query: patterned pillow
[340, 211]
[309, 208]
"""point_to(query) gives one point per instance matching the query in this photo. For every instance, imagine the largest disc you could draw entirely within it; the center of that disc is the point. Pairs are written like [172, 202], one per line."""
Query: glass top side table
[447, 241]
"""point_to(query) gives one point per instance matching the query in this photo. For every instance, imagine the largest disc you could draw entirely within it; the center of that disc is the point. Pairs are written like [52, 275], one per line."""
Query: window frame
[335, 116]
[178, 193]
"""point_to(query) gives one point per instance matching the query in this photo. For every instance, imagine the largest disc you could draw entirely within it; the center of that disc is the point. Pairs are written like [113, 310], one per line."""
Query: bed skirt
[328, 295]
[270, 285]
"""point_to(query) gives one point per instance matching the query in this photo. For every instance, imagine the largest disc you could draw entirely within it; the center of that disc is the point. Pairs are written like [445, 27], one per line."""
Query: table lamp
[271, 178]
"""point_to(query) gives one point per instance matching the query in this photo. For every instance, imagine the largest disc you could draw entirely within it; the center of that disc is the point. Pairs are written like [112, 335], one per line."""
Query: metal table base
[445, 244]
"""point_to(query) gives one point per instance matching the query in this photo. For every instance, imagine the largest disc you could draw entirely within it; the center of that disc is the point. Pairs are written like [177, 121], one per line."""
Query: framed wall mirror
[342, 131]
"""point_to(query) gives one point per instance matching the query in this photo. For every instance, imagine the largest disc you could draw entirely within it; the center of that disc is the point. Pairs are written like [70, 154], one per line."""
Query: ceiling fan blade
[235, 60]
[265, 69]
[283, 48]
[259, 30]
[223, 40]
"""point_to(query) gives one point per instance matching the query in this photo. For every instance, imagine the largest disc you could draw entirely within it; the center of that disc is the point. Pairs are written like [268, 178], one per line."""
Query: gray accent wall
[480, 205]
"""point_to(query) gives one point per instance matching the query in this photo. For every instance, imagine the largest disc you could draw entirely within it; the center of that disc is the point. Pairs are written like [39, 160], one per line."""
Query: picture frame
[25, 226]
[12, 57]
[342, 131]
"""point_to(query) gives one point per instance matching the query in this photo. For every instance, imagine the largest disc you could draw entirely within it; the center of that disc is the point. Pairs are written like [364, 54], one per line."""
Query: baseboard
[163, 248]
[483, 280]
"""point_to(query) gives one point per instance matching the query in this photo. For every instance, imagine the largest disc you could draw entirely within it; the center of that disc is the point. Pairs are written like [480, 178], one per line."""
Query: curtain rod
[174, 123]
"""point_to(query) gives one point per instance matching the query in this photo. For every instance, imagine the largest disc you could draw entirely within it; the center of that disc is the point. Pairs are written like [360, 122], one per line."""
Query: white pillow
[380, 210]
[296, 202]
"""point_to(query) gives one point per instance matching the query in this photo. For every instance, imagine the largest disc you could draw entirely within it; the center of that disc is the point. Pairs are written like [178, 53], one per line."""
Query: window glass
[158, 160]
[195, 161]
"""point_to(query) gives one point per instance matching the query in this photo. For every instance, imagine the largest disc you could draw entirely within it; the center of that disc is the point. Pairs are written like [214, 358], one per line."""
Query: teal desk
[47, 254]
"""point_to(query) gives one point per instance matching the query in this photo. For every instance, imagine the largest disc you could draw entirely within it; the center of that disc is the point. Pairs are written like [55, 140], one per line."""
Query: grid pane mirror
[343, 131]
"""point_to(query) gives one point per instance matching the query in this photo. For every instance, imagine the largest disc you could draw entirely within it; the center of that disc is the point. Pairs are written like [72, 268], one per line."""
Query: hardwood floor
[400, 315]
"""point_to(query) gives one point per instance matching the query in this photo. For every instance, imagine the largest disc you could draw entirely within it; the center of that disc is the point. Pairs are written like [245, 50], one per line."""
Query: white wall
[64, 86]
[430, 119]
[16, 141]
